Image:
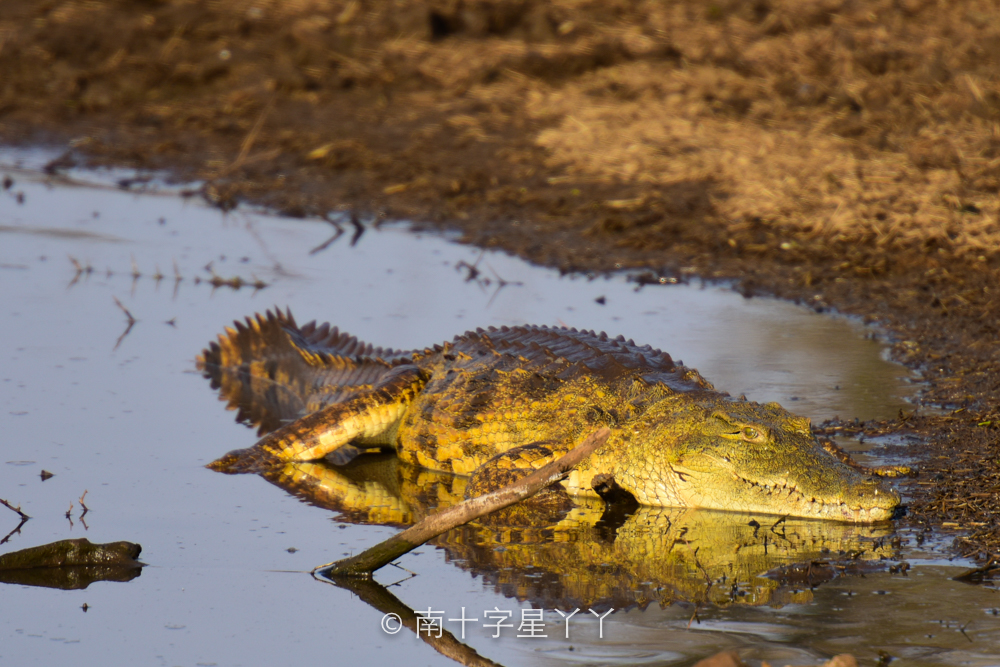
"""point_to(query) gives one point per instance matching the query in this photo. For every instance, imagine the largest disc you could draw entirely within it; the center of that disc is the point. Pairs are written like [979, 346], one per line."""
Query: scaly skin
[479, 405]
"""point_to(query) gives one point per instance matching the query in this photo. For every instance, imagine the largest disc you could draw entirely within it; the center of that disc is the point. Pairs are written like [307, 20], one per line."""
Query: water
[121, 414]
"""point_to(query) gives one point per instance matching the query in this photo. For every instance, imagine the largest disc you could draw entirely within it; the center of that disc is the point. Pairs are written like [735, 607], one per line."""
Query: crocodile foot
[251, 459]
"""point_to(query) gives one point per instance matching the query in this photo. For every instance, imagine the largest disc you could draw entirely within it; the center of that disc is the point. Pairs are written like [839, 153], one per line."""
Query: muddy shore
[842, 155]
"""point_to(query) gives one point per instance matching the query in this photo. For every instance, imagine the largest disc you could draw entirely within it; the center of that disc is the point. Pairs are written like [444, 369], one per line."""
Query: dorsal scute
[563, 351]
[328, 340]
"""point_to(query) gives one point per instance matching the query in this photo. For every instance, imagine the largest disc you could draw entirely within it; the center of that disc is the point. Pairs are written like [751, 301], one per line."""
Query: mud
[845, 155]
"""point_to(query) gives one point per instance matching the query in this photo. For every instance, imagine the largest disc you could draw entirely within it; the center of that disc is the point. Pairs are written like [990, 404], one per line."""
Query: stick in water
[384, 553]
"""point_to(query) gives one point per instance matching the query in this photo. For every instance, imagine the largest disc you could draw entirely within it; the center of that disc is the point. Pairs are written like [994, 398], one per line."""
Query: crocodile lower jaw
[788, 500]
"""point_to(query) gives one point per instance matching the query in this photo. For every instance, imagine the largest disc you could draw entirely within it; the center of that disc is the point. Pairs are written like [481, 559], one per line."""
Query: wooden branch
[385, 552]
[24, 517]
[85, 508]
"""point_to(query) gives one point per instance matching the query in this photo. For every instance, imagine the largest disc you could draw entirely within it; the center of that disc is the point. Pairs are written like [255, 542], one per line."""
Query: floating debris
[359, 229]
[71, 564]
[235, 282]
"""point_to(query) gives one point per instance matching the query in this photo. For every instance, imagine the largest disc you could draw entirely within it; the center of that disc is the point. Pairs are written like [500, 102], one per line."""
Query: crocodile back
[272, 371]
[567, 353]
[492, 390]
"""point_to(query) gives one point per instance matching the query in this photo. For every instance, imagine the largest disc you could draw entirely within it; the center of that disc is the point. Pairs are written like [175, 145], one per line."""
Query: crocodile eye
[751, 433]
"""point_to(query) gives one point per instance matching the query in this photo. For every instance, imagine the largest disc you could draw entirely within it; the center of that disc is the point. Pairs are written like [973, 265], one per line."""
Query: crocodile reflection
[591, 555]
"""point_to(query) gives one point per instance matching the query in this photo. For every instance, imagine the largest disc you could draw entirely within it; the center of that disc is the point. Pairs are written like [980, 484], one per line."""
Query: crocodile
[494, 404]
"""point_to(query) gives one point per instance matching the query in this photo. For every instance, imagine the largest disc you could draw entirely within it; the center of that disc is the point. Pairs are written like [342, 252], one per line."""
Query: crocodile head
[743, 456]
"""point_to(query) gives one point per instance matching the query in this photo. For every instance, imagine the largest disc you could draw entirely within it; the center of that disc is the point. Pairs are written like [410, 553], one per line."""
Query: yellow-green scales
[495, 404]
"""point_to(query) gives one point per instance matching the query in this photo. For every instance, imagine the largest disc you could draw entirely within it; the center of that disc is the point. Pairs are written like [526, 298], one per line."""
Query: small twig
[694, 617]
[80, 269]
[177, 280]
[359, 229]
[85, 508]
[16, 509]
[979, 574]
[131, 320]
[339, 231]
[473, 269]
[24, 519]
[251, 137]
[708, 578]
[501, 283]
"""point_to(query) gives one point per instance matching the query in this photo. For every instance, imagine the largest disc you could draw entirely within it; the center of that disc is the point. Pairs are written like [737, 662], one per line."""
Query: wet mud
[836, 154]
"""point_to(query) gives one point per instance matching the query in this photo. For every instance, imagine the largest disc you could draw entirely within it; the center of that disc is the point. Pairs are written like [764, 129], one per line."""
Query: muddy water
[120, 413]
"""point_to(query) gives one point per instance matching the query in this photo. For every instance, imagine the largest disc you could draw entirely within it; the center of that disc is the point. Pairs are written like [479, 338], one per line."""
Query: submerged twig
[398, 615]
[501, 283]
[474, 274]
[17, 529]
[235, 282]
[980, 574]
[472, 269]
[251, 137]
[384, 553]
[359, 229]
[338, 232]
[131, 322]
[81, 270]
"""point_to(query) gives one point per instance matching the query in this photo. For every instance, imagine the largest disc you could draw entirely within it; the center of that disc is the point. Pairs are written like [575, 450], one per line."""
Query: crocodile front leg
[512, 465]
[544, 508]
[371, 418]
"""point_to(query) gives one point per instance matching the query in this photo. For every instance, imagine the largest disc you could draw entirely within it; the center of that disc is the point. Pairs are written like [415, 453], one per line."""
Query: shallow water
[128, 419]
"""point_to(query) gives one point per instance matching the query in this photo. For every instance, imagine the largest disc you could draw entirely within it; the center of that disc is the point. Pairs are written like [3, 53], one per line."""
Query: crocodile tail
[272, 371]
